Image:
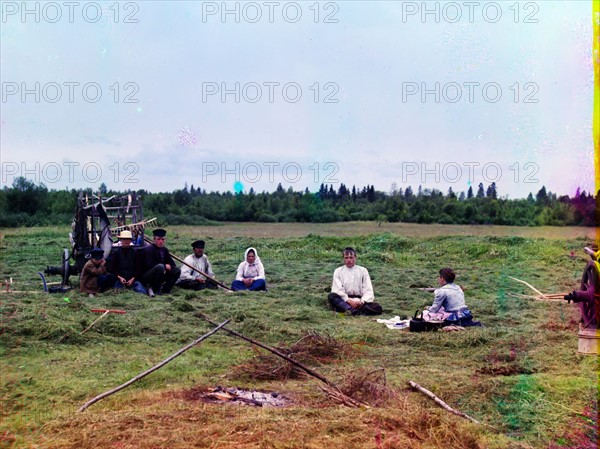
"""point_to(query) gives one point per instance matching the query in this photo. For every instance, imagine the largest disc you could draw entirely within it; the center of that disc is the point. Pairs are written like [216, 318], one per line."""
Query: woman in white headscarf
[250, 273]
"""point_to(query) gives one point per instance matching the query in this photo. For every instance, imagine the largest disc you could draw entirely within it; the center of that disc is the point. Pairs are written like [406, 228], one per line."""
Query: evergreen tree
[480, 191]
[371, 194]
[331, 194]
[470, 192]
[493, 192]
[343, 191]
[542, 196]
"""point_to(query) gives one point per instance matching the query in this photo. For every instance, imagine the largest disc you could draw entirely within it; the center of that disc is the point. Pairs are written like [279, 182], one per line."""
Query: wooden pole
[95, 321]
[337, 393]
[195, 269]
[439, 402]
[160, 365]
[528, 285]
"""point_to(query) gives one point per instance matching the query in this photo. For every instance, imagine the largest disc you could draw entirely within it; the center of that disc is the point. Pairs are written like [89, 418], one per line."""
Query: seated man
[250, 273]
[94, 277]
[352, 290]
[158, 268]
[449, 302]
[191, 278]
[125, 264]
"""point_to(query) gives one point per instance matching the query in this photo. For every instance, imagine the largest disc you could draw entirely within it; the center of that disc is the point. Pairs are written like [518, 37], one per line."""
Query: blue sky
[441, 94]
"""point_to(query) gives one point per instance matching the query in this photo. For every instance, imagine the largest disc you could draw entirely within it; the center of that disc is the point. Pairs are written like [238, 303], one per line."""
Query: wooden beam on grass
[439, 402]
[330, 388]
[528, 285]
[154, 368]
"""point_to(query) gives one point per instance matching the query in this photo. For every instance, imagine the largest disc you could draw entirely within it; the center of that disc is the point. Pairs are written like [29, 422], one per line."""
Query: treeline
[28, 204]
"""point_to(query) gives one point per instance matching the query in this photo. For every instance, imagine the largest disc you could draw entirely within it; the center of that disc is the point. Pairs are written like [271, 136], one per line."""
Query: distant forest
[28, 204]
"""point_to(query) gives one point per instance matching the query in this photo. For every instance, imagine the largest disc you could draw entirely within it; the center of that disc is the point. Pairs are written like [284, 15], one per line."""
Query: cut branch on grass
[528, 285]
[548, 298]
[154, 368]
[441, 403]
[329, 388]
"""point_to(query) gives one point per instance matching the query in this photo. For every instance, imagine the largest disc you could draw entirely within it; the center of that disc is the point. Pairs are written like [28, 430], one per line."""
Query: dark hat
[198, 244]
[159, 233]
[97, 253]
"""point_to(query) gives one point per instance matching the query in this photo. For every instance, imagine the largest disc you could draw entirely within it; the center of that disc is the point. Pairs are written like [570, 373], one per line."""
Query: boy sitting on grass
[449, 302]
[94, 277]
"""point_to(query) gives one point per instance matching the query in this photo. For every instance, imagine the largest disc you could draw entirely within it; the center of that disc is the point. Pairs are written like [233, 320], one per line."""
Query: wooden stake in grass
[160, 365]
[439, 402]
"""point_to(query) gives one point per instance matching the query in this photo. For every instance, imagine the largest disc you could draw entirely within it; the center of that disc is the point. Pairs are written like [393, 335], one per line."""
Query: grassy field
[520, 375]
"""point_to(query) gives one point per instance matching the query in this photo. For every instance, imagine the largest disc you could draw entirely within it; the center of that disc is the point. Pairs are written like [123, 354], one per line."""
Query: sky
[238, 95]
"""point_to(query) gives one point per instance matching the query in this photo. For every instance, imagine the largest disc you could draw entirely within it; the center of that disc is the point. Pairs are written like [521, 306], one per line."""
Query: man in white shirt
[191, 278]
[351, 290]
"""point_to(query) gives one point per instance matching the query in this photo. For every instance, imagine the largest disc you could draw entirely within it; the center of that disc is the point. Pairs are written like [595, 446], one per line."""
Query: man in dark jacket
[125, 264]
[158, 268]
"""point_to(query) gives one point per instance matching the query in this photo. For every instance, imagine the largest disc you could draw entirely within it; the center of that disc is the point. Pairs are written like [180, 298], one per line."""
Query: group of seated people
[152, 270]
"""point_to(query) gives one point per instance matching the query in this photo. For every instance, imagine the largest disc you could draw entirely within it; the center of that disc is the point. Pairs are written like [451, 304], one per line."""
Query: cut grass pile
[520, 375]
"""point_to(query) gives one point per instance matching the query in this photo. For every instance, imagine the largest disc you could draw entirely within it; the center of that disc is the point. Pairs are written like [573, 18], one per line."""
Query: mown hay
[312, 349]
[368, 386]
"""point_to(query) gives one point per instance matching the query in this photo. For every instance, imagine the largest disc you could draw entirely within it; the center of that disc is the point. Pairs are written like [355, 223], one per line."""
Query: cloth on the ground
[395, 323]
[452, 328]
[443, 315]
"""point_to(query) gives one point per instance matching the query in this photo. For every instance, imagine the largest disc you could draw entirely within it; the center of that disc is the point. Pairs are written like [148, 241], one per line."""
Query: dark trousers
[340, 305]
[191, 284]
[106, 281]
[158, 274]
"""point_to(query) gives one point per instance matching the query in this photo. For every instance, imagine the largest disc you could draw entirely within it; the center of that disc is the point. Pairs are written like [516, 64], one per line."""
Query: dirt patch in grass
[504, 370]
[554, 326]
[583, 434]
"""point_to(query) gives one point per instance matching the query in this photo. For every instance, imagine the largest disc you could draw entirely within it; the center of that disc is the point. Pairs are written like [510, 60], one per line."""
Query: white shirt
[353, 281]
[199, 264]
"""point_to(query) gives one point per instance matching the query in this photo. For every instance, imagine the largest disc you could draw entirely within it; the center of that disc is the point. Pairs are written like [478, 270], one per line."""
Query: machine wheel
[590, 279]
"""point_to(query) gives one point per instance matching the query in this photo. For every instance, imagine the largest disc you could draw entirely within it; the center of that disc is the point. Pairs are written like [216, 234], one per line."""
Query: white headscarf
[247, 270]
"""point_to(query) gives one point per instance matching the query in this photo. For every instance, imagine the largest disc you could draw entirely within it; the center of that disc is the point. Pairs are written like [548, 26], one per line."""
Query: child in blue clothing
[449, 302]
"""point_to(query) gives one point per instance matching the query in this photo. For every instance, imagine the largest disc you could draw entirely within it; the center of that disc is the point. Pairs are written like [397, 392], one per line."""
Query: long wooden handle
[154, 368]
[220, 284]
[95, 321]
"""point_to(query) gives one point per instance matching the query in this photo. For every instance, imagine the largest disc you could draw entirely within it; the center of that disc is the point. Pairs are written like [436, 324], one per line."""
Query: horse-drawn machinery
[97, 220]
